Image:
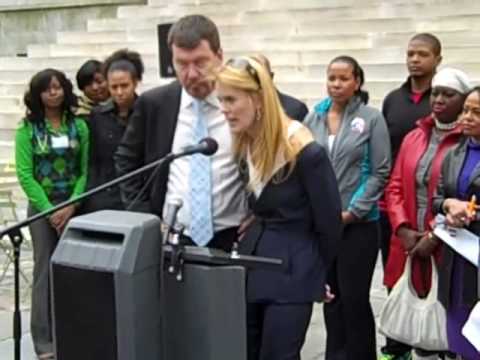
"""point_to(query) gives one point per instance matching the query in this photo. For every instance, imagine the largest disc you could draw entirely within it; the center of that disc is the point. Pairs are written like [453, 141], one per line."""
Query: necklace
[445, 127]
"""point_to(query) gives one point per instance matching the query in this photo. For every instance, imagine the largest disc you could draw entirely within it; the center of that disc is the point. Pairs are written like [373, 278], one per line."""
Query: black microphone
[206, 146]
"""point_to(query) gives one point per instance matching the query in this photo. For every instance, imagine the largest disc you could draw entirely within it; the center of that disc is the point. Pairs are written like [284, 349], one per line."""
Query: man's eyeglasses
[243, 64]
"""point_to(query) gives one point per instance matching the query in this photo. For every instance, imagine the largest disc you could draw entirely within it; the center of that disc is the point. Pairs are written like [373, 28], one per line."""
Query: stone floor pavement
[313, 349]
[7, 302]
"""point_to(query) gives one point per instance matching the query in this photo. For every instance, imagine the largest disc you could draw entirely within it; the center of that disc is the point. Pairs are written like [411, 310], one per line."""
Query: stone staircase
[300, 37]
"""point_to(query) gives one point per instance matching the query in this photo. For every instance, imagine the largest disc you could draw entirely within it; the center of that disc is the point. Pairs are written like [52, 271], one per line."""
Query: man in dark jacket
[294, 108]
[168, 118]
[402, 108]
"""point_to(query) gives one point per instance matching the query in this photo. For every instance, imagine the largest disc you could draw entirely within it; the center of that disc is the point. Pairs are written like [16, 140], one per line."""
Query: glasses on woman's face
[244, 64]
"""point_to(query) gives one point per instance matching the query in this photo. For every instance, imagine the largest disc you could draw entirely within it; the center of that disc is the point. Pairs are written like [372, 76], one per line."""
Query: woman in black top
[123, 70]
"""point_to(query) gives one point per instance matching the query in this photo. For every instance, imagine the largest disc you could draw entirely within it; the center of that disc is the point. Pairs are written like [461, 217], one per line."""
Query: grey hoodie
[360, 155]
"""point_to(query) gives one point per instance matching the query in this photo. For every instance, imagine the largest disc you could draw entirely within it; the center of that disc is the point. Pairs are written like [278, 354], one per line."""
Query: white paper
[471, 329]
[461, 240]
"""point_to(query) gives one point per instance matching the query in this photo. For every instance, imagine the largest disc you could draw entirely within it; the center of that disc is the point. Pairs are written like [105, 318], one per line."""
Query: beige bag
[411, 320]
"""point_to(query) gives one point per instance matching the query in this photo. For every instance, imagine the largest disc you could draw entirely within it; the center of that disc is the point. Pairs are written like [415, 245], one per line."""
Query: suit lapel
[457, 167]
[168, 114]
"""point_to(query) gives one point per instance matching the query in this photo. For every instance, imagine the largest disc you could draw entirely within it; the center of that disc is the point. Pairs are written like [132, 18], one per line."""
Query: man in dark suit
[294, 108]
[169, 117]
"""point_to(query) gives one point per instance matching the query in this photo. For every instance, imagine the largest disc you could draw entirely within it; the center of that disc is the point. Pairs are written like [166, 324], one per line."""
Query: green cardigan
[36, 194]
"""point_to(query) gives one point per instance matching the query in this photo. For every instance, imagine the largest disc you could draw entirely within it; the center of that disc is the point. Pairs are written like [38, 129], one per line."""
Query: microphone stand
[16, 236]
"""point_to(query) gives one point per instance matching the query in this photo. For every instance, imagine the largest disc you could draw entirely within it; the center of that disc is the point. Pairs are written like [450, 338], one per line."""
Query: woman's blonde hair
[271, 139]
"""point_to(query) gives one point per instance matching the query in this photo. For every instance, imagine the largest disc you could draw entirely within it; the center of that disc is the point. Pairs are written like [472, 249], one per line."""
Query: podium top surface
[195, 254]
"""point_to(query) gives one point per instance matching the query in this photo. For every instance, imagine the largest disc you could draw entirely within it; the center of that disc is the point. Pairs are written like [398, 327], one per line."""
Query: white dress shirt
[229, 205]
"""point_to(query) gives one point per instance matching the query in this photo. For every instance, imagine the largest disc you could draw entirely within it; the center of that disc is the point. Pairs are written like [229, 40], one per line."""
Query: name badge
[59, 142]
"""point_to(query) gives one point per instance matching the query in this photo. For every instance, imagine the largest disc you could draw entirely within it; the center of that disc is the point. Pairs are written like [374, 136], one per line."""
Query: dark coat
[106, 131]
[401, 114]
[294, 108]
[299, 221]
[148, 137]
[447, 188]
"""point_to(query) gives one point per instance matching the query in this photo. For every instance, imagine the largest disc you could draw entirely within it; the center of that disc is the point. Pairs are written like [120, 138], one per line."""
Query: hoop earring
[258, 115]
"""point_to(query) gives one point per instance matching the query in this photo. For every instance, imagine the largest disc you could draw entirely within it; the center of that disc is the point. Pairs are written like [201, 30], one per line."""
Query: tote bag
[421, 323]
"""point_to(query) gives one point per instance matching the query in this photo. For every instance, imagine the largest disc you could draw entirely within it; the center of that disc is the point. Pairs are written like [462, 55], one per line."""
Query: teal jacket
[360, 155]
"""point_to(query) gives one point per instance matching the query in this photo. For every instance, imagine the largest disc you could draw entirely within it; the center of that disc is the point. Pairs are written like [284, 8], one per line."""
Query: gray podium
[112, 301]
[205, 314]
[106, 299]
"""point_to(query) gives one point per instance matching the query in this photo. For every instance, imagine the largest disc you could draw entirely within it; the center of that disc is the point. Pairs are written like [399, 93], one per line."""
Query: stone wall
[24, 22]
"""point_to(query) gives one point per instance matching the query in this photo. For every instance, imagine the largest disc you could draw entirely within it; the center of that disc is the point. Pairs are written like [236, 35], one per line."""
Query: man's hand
[244, 226]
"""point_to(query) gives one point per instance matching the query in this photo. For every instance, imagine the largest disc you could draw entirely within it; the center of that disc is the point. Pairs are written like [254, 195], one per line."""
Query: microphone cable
[208, 145]
[144, 187]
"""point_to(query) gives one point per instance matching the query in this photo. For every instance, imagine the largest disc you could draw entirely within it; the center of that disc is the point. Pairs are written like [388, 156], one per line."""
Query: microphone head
[176, 201]
[210, 146]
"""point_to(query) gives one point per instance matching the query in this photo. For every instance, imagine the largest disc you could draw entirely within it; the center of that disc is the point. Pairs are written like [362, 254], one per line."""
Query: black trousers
[222, 239]
[384, 237]
[277, 331]
[349, 317]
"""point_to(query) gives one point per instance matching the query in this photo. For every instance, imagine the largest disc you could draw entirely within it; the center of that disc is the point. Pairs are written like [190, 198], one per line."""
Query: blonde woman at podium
[296, 205]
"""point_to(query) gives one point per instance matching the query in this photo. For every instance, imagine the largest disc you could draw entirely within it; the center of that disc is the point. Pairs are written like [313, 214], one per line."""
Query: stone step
[34, 64]
[290, 25]
[280, 57]
[177, 10]
[348, 24]
[230, 44]
[373, 72]
[372, 10]
[7, 135]
[338, 42]
[261, 11]
[151, 22]
[118, 24]
[7, 149]
[87, 50]
[24, 76]
[386, 55]
[10, 120]
[12, 89]
[83, 37]
[301, 37]
[317, 88]
[10, 103]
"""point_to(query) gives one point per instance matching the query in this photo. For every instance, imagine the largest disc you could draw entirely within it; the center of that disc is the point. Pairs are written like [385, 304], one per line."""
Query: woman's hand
[409, 237]
[60, 218]
[329, 296]
[348, 217]
[457, 212]
[426, 246]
